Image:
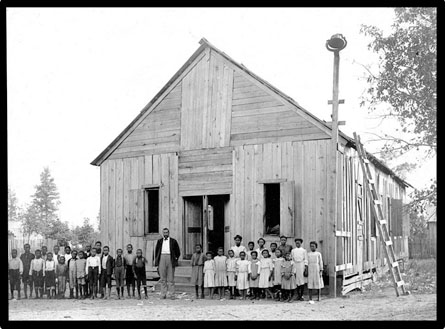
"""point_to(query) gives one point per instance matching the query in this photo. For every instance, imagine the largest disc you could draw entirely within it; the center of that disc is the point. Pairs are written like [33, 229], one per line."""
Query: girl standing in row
[231, 272]
[315, 270]
[209, 273]
[220, 272]
[266, 272]
[242, 274]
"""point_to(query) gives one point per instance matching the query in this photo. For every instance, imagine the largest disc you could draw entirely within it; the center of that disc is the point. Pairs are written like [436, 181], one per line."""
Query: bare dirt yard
[376, 302]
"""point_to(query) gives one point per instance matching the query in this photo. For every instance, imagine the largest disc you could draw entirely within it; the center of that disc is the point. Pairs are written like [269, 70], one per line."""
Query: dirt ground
[377, 302]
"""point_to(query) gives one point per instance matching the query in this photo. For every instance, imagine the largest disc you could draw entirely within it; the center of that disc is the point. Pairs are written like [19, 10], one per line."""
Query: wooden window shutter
[397, 217]
[136, 212]
[287, 209]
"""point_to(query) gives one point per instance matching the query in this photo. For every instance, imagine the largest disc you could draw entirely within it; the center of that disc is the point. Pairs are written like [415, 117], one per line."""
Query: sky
[76, 77]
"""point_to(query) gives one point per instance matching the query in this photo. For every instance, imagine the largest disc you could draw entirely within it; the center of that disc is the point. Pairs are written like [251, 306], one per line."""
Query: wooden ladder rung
[366, 161]
[400, 283]
[377, 202]
[371, 181]
[388, 243]
[395, 264]
[383, 222]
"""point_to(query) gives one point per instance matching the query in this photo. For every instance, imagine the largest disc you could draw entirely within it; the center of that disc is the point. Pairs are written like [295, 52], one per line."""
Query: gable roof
[206, 44]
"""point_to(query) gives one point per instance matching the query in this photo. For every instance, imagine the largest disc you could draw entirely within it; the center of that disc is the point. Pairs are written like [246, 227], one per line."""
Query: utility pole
[335, 44]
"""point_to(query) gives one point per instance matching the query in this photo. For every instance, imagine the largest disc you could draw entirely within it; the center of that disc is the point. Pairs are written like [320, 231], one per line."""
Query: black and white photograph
[241, 164]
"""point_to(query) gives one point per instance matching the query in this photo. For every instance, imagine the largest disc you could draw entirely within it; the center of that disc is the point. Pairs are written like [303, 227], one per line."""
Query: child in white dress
[242, 274]
[315, 270]
[266, 272]
[231, 272]
[220, 272]
[209, 273]
[277, 274]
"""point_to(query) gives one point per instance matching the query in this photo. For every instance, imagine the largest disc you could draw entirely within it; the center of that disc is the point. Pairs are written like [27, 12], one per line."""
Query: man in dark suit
[166, 259]
[107, 264]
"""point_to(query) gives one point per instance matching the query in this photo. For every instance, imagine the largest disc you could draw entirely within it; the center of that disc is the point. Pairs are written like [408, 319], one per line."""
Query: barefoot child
[15, 271]
[107, 265]
[299, 256]
[209, 273]
[81, 263]
[72, 275]
[119, 274]
[26, 259]
[92, 269]
[315, 270]
[128, 262]
[277, 274]
[139, 272]
[198, 259]
[220, 272]
[61, 273]
[50, 275]
[266, 272]
[287, 278]
[37, 271]
[231, 272]
[254, 271]
[242, 274]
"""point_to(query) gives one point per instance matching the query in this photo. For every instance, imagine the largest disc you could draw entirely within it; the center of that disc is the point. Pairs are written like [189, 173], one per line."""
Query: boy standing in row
[15, 270]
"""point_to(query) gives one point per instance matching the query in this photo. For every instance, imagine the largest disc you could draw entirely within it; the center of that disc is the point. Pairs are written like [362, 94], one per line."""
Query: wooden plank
[134, 185]
[126, 207]
[247, 92]
[298, 174]
[165, 191]
[169, 149]
[214, 191]
[111, 238]
[276, 160]
[272, 139]
[287, 210]
[239, 190]
[141, 179]
[119, 205]
[275, 133]
[252, 100]
[252, 106]
[251, 113]
[248, 190]
[321, 203]
[190, 169]
[174, 223]
[258, 229]
[105, 217]
[267, 161]
[226, 120]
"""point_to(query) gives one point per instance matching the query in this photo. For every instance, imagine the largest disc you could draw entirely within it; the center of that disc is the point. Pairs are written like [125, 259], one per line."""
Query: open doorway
[216, 216]
[204, 222]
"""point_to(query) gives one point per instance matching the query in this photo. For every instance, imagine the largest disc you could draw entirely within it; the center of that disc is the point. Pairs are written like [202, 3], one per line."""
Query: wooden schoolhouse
[220, 152]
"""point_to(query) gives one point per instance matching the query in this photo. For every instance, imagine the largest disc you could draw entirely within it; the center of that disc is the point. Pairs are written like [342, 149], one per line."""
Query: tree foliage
[406, 87]
[29, 223]
[407, 78]
[13, 209]
[46, 198]
[84, 234]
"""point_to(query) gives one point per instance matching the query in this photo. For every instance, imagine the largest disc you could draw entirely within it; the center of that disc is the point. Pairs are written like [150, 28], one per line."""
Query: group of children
[85, 271]
[279, 273]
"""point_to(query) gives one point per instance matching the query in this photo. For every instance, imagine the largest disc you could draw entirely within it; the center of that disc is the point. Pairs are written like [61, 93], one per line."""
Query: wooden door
[193, 224]
[287, 209]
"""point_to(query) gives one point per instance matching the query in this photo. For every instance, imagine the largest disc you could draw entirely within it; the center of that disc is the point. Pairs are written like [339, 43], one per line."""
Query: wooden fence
[34, 242]
[421, 248]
